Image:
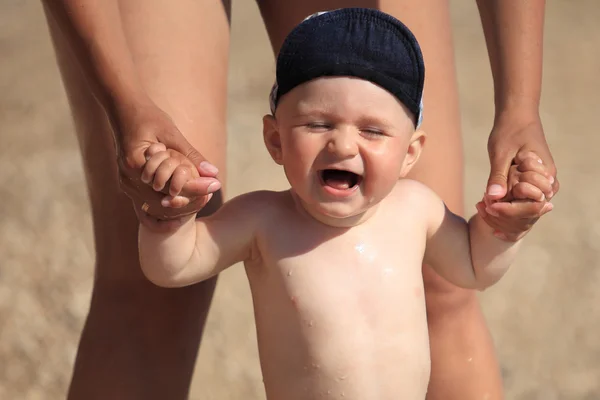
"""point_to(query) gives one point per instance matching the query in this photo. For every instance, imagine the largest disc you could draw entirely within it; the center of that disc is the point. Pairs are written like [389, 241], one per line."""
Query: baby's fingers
[164, 172]
[533, 165]
[538, 180]
[152, 165]
[525, 155]
[527, 191]
[180, 177]
[154, 149]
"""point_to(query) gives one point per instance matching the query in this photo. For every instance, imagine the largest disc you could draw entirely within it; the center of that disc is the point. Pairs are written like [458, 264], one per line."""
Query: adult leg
[141, 341]
[464, 364]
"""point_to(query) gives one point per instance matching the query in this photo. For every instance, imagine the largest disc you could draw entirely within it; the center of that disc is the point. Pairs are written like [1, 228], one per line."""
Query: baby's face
[343, 143]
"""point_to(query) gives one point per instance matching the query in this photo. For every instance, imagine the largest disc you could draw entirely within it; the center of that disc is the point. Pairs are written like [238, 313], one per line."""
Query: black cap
[360, 42]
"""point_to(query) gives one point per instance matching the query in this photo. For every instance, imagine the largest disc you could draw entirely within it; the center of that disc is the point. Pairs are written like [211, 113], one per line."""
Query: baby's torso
[341, 313]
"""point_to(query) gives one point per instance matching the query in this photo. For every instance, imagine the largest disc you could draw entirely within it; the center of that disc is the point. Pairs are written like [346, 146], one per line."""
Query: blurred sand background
[544, 316]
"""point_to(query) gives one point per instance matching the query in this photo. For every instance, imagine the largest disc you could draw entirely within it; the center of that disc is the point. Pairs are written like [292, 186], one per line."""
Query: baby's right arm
[189, 250]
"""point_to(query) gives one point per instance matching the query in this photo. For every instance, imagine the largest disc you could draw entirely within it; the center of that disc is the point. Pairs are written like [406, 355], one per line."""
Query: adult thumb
[498, 179]
[185, 148]
[194, 156]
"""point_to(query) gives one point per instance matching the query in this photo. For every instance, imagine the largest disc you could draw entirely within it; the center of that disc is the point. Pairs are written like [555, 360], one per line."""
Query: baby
[334, 263]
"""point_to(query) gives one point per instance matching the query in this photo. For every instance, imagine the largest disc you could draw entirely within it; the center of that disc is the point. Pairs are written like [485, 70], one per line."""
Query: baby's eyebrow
[378, 122]
[306, 112]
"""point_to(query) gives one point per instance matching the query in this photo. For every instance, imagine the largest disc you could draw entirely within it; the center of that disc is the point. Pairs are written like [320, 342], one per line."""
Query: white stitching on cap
[272, 97]
[317, 14]
[420, 116]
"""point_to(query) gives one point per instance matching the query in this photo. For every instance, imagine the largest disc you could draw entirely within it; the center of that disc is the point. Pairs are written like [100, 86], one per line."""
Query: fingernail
[551, 179]
[213, 187]
[208, 167]
[549, 206]
[165, 202]
[540, 161]
[494, 190]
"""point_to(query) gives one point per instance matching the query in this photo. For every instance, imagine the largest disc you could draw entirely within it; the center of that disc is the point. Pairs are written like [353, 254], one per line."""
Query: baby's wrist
[166, 225]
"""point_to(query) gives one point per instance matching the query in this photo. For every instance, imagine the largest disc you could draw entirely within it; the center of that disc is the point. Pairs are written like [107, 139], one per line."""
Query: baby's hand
[166, 167]
[528, 181]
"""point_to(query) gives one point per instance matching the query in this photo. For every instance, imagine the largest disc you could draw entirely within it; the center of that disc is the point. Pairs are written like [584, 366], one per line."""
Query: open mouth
[340, 179]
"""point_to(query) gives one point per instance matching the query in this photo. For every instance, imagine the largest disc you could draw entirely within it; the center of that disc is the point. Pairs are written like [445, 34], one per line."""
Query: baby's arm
[198, 249]
[181, 252]
[473, 255]
[466, 254]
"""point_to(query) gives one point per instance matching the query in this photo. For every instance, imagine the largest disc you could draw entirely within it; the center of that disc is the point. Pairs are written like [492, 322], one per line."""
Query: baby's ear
[415, 146]
[272, 138]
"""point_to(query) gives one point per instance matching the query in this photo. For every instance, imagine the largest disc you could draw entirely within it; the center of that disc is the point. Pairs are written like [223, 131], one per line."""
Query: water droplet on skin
[469, 359]
[341, 378]
[366, 252]
[289, 273]
[329, 392]
[311, 323]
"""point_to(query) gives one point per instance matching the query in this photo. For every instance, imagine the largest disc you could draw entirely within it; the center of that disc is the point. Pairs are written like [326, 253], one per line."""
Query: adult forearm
[514, 32]
[94, 31]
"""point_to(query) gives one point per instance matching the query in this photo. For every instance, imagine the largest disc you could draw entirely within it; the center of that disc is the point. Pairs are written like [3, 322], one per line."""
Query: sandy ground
[544, 316]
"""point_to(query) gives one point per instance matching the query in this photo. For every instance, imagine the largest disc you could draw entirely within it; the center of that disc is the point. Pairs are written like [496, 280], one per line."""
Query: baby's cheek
[379, 185]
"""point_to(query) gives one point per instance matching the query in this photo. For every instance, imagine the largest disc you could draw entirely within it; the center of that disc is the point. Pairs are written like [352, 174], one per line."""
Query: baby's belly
[342, 336]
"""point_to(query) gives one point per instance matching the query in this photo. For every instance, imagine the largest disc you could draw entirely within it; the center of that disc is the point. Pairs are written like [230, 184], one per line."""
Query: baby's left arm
[473, 254]
[466, 254]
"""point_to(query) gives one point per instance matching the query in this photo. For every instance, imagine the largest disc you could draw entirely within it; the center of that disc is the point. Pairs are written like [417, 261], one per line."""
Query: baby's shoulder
[259, 204]
[411, 192]
[414, 201]
[259, 199]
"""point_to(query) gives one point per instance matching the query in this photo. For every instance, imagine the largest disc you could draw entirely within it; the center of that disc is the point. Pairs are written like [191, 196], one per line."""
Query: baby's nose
[343, 144]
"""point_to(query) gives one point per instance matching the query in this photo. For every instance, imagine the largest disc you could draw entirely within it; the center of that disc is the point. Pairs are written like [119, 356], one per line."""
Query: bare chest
[345, 315]
[359, 272]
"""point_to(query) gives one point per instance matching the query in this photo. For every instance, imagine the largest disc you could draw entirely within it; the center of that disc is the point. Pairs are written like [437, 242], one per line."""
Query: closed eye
[321, 126]
[372, 133]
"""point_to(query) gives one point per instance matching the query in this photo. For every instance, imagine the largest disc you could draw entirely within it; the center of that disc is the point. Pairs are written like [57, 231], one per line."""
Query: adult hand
[511, 135]
[136, 128]
[515, 134]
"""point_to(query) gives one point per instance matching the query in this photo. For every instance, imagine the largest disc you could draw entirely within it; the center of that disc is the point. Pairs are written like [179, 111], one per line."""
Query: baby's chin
[340, 215]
